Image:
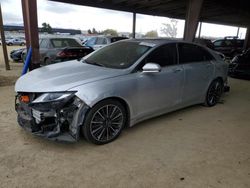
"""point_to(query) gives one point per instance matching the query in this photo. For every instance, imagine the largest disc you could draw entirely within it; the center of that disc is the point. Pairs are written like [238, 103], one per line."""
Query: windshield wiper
[93, 63]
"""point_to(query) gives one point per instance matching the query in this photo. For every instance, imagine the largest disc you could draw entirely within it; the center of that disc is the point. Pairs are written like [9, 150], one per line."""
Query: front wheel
[214, 93]
[104, 122]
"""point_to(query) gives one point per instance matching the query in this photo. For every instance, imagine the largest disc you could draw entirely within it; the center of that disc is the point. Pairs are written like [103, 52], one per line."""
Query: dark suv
[229, 46]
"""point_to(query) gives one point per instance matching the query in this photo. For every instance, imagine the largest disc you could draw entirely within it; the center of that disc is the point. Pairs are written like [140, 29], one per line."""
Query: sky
[61, 15]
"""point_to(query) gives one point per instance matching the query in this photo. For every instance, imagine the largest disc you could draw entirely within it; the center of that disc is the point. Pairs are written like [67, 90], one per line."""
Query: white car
[116, 86]
[15, 41]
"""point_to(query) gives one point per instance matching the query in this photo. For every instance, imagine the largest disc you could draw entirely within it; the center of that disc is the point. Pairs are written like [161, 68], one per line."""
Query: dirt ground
[195, 147]
[9, 77]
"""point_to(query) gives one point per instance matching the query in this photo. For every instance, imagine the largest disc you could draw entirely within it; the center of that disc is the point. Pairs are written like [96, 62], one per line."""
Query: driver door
[160, 92]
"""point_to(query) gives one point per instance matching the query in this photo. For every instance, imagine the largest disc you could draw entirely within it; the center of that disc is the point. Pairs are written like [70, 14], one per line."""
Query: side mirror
[151, 67]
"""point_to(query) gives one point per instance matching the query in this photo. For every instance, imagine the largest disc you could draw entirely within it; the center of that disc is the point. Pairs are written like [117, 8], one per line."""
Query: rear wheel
[104, 122]
[214, 93]
[47, 61]
[23, 57]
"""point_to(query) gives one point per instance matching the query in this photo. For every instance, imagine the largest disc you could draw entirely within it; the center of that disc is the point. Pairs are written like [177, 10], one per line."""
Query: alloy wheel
[106, 123]
[214, 93]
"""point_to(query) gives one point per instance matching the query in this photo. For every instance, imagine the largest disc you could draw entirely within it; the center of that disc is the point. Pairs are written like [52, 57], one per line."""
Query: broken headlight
[54, 100]
[51, 97]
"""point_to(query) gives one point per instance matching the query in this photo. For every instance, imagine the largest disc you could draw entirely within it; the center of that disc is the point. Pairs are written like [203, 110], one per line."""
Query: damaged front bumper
[59, 121]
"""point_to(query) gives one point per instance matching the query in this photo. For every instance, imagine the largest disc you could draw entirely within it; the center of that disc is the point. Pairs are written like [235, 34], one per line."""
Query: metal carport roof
[229, 12]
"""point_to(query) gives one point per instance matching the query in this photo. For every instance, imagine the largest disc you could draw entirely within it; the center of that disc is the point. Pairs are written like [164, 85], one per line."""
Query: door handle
[176, 70]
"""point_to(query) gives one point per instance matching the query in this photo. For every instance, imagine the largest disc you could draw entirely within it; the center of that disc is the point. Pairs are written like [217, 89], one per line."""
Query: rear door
[198, 68]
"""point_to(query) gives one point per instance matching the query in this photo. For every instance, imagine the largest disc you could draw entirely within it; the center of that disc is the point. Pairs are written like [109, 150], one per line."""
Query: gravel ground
[194, 147]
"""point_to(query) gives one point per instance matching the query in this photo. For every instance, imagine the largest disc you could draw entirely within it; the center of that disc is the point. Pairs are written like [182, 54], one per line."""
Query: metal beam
[31, 30]
[25, 23]
[247, 39]
[5, 54]
[134, 25]
[199, 34]
[238, 30]
[192, 19]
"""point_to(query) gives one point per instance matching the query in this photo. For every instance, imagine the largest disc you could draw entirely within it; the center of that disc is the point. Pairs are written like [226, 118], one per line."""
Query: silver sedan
[118, 86]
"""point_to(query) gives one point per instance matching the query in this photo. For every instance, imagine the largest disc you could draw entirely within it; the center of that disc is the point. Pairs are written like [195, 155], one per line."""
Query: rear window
[189, 53]
[62, 43]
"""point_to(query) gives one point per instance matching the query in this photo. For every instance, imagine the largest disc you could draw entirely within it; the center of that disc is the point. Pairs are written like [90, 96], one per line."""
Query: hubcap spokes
[214, 93]
[106, 123]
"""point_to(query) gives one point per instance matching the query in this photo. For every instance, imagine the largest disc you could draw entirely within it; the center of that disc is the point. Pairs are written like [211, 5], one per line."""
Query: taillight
[66, 54]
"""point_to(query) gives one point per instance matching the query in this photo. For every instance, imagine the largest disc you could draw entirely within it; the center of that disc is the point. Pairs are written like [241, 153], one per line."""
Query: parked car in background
[17, 54]
[205, 42]
[15, 41]
[116, 86]
[83, 39]
[240, 65]
[229, 46]
[54, 50]
[101, 41]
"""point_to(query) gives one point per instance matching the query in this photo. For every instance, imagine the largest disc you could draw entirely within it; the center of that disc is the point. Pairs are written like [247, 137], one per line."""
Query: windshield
[61, 43]
[119, 55]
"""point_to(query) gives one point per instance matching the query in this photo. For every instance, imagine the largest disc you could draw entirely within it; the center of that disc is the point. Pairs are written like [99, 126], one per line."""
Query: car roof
[157, 41]
[50, 37]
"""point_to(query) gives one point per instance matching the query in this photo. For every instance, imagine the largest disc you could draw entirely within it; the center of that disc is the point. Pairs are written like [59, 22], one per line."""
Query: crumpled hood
[63, 76]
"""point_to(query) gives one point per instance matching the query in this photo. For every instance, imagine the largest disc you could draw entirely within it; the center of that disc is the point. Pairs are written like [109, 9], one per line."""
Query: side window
[91, 42]
[164, 55]
[189, 53]
[105, 41]
[101, 40]
[218, 43]
[228, 43]
[43, 43]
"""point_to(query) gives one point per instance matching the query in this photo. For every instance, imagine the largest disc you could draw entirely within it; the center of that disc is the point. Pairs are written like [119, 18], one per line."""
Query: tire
[47, 61]
[104, 122]
[23, 56]
[22, 44]
[214, 93]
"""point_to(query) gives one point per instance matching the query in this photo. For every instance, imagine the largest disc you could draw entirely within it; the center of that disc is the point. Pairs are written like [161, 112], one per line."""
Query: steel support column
[5, 53]
[199, 34]
[192, 19]
[247, 39]
[31, 30]
[134, 25]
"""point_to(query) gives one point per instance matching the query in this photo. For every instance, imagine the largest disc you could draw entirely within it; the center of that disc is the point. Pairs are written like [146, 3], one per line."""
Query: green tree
[110, 32]
[151, 34]
[89, 31]
[94, 31]
[46, 28]
[170, 29]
